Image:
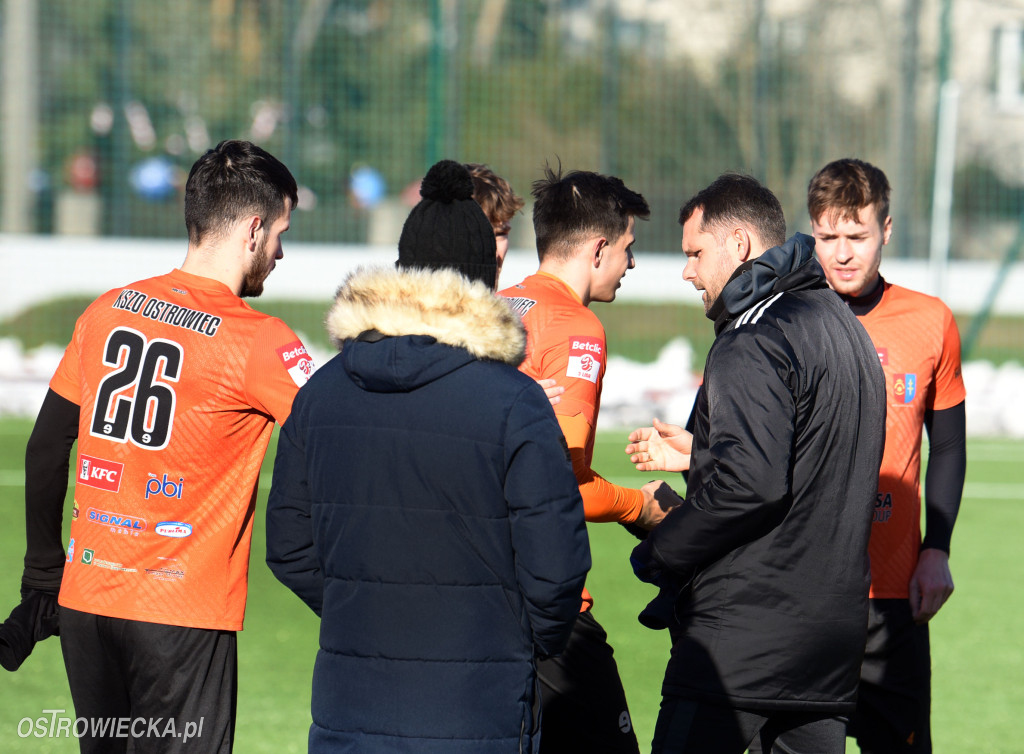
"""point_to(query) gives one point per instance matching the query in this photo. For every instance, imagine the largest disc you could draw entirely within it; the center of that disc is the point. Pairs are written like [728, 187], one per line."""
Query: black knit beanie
[448, 228]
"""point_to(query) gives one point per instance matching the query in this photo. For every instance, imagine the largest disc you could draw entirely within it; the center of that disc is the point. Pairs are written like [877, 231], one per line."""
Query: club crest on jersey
[904, 387]
[297, 361]
[99, 473]
[585, 357]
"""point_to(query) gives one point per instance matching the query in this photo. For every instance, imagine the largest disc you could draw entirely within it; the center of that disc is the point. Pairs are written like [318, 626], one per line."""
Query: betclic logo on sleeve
[585, 358]
[99, 473]
[297, 361]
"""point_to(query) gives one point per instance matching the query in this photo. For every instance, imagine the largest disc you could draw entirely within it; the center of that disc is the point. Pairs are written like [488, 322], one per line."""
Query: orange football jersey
[179, 383]
[919, 346]
[565, 341]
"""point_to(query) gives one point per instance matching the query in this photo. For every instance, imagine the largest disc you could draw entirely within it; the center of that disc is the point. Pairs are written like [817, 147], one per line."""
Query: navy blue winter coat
[424, 506]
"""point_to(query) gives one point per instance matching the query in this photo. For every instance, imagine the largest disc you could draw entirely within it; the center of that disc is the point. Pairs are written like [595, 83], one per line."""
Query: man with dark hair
[499, 203]
[171, 387]
[918, 345]
[423, 503]
[585, 233]
[763, 568]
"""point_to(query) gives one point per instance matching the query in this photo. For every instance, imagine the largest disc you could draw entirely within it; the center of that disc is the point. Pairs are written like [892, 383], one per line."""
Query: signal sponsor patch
[585, 357]
[117, 522]
[297, 361]
[99, 473]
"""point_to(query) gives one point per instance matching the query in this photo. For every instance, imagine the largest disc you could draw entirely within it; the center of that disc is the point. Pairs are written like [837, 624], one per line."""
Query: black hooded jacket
[764, 567]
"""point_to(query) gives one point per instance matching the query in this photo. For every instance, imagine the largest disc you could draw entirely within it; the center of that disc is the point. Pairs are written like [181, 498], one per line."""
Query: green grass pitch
[978, 653]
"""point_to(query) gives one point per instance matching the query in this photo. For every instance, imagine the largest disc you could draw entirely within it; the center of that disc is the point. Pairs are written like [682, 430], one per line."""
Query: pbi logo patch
[904, 387]
[99, 473]
[585, 358]
[165, 487]
[297, 361]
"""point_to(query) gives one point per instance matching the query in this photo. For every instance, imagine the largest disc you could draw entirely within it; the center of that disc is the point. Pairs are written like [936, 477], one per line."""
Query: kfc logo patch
[585, 358]
[99, 473]
[297, 361]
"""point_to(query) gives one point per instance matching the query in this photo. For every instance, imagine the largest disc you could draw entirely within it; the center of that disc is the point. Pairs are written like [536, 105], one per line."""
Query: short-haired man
[584, 224]
[171, 386]
[763, 567]
[918, 345]
[499, 203]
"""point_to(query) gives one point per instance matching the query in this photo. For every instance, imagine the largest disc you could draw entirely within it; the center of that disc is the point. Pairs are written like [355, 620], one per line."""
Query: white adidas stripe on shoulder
[753, 314]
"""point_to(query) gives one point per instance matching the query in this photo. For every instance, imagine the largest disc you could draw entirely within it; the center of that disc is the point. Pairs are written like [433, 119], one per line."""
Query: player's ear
[740, 244]
[253, 225]
[598, 246]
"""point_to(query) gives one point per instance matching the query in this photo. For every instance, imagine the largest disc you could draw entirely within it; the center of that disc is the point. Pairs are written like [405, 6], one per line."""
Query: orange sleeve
[66, 382]
[602, 500]
[279, 366]
[949, 381]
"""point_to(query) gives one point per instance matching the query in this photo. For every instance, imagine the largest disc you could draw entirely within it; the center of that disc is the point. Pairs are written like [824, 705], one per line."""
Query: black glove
[34, 619]
[661, 611]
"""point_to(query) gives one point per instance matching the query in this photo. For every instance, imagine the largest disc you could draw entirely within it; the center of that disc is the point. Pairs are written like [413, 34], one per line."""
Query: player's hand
[663, 447]
[35, 618]
[552, 390]
[931, 584]
[659, 499]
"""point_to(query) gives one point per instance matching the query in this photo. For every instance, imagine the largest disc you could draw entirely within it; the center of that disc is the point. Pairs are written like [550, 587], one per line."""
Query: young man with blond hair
[918, 345]
[499, 203]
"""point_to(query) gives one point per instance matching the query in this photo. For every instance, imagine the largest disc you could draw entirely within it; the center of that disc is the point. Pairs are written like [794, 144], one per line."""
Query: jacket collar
[440, 303]
[789, 267]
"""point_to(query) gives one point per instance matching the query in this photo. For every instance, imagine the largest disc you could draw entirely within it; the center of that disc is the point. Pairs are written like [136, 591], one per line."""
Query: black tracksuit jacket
[764, 567]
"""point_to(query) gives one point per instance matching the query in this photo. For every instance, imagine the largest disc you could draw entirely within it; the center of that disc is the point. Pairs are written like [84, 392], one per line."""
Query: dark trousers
[583, 704]
[691, 727]
[149, 688]
[893, 713]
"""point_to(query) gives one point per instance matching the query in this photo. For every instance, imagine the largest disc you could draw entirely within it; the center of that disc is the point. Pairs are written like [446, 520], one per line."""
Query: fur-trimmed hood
[438, 303]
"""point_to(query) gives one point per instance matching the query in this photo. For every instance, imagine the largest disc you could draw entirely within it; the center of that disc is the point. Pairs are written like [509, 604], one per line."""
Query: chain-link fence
[107, 103]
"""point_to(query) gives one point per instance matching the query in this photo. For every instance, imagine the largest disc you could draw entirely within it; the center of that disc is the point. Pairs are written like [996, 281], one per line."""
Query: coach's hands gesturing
[663, 447]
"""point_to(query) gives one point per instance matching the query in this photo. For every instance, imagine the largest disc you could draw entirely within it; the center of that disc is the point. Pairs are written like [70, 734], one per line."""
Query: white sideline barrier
[37, 268]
